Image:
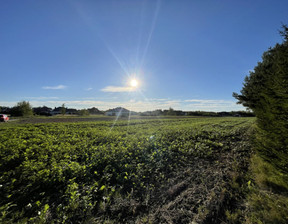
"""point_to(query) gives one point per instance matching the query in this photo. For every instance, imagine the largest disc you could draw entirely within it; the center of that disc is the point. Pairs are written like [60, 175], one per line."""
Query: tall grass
[268, 196]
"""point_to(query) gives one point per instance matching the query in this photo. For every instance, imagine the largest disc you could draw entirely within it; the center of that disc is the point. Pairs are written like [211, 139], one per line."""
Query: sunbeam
[116, 119]
[124, 68]
[156, 13]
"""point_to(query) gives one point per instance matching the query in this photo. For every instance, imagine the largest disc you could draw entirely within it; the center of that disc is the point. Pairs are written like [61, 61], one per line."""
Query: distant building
[71, 111]
[118, 111]
[58, 110]
[42, 110]
[55, 111]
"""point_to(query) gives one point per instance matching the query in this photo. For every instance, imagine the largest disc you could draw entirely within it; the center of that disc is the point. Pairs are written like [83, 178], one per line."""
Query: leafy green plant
[89, 171]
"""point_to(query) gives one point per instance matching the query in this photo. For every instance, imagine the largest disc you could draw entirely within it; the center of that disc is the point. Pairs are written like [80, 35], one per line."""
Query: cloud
[8, 103]
[117, 89]
[54, 87]
[212, 105]
[88, 89]
[42, 98]
[207, 101]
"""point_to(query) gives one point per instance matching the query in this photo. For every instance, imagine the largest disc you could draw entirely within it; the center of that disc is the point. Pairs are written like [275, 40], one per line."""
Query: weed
[268, 198]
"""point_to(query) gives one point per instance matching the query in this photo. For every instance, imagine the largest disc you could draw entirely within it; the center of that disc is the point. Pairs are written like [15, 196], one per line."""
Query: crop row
[100, 171]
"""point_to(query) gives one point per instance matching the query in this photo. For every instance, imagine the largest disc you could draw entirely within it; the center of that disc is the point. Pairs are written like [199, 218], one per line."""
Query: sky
[188, 55]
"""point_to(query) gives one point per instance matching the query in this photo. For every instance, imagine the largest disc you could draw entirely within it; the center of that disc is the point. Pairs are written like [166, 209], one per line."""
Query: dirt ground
[71, 118]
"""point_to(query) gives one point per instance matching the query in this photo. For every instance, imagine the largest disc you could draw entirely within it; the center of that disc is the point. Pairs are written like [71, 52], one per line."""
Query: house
[59, 110]
[118, 111]
[42, 110]
[71, 111]
[56, 111]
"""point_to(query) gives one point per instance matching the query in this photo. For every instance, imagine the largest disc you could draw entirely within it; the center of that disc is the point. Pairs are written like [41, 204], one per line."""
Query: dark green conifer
[265, 92]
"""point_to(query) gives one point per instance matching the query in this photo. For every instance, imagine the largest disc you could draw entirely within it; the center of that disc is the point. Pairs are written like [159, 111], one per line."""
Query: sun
[134, 83]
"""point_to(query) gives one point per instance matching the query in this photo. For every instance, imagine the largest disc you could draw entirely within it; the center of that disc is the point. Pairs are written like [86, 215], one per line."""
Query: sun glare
[134, 83]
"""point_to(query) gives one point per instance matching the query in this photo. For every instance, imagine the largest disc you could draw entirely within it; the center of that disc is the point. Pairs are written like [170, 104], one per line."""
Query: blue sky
[188, 55]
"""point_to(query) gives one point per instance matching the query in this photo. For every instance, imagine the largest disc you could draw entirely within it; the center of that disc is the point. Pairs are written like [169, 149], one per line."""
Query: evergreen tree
[265, 92]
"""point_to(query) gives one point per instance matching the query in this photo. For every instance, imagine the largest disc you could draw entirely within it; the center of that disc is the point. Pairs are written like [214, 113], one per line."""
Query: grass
[268, 196]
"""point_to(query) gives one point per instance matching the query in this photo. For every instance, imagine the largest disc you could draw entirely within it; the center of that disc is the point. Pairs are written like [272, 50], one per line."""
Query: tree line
[25, 109]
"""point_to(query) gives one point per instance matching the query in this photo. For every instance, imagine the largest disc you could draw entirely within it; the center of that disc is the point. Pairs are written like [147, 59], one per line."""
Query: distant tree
[22, 108]
[63, 109]
[42, 110]
[94, 110]
[6, 110]
[265, 92]
[83, 112]
[171, 111]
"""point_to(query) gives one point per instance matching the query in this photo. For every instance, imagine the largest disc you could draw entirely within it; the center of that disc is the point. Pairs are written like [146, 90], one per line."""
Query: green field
[143, 171]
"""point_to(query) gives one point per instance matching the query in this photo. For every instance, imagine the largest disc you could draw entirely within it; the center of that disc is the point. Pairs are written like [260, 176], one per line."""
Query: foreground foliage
[150, 171]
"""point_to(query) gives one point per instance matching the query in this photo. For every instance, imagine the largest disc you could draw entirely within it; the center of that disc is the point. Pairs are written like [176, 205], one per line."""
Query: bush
[22, 109]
